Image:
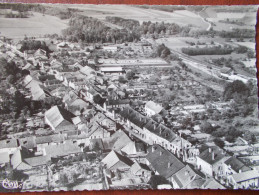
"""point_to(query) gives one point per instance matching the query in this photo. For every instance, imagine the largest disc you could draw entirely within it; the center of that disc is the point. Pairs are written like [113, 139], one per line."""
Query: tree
[10, 79]
[96, 147]
[122, 80]
[219, 142]
[156, 180]
[206, 127]
[235, 87]
[130, 74]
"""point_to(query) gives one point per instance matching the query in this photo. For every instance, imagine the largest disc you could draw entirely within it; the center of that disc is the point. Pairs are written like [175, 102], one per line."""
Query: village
[122, 116]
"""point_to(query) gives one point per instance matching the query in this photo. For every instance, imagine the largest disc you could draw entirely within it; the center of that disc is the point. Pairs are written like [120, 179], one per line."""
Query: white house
[152, 108]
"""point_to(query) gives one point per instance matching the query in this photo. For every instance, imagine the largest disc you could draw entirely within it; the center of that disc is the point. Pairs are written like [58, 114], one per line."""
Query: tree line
[215, 50]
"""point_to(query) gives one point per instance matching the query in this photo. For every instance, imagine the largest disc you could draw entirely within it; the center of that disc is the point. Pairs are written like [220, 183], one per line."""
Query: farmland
[181, 17]
[37, 25]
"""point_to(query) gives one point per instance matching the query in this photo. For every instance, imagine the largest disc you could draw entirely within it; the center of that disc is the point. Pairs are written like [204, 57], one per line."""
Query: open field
[37, 25]
[214, 16]
[181, 17]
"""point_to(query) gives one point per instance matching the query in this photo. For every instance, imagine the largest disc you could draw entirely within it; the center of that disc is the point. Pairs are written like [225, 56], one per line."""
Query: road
[204, 19]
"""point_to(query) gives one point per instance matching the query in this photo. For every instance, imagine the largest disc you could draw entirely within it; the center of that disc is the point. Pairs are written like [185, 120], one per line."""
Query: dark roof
[50, 138]
[37, 160]
[207, 154]
[62, 149]
[8, 143]
[27, 142]
[237, 165]
[163, 161]
[134, 116]
[118, 102]
[151, 125]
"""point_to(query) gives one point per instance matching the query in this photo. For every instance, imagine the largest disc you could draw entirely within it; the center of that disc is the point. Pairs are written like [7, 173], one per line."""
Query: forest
[237, 33]
[90, 30]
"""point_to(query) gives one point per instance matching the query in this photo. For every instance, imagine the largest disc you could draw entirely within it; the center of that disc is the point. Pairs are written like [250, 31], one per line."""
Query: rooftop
[237, 165]
[154, 106]
[57, 115]
[244, 176]
[213, 154]
[163, 161]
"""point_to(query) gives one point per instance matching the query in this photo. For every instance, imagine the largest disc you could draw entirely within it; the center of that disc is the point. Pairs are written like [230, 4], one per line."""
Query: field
[37, 25]
[181, 17]
[213, 16]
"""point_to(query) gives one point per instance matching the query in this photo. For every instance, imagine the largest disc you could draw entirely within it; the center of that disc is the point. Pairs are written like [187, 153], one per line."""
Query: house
[40, 54]
[104, 121]
[59, 119]
[110, 48]
[114, 161]
[68, 148]
[77, 106]
[184, 178]
[64, 46]
[43, 141]
[37, 161]
[133, 149]
[234, 166]
[140, 170]
[153, 132]
[112, 70]
[95, 130]
[117, 141]
[28, 142]
[39, 92]
[163, 162]
[30, 82]
[59, 91]
[118, 103]
[8, 145]
[17, 161]
[211, 160]
[241, 142]
[4, 158]
[88, 71]
[211, 183]
[151, 108]
[244, 180]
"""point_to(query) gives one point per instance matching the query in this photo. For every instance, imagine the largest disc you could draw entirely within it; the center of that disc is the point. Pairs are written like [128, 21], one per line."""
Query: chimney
[209, 150]
[153, 149]
[212, 155]
[169, 165]
[161, 153]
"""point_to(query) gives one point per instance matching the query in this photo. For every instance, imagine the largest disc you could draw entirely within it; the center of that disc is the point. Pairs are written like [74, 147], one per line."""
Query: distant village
[88, 128]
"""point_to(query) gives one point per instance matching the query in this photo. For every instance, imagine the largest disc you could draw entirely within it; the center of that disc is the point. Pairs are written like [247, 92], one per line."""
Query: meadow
[37, 25]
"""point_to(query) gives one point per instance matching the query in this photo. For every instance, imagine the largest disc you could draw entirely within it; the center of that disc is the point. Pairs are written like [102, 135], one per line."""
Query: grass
[37, 25]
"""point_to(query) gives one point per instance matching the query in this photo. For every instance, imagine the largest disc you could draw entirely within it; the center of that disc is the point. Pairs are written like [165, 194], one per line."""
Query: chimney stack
[209, 150]
[213, 155]
[169, 165]
[161, 153]
[153, 148]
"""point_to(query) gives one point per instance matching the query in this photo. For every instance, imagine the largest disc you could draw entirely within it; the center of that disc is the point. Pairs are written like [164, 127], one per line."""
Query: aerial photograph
[114, 97]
